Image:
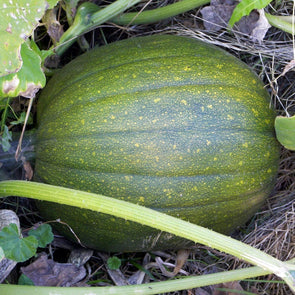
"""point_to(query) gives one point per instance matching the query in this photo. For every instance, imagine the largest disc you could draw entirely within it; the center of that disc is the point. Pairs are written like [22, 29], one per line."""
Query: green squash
[166, 122]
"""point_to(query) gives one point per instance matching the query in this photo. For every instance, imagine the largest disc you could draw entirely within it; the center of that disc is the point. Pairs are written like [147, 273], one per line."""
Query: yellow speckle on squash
[208, 142]
[141, 199]
[136, 144]
[245, 144]
[183, 101]
[83, 122]
[229, 117]
[157, 100]
[255, 112]
[210, 106]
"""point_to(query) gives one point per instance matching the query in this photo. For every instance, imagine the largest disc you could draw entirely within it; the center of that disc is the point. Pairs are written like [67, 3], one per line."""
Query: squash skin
[167, 122]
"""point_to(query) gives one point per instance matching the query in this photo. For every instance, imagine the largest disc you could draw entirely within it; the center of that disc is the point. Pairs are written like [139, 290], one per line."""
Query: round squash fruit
[162, 121]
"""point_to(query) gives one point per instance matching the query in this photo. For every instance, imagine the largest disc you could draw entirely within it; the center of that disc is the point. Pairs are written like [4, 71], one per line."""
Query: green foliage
[5, 139]
[24, 280]
[43, 234]
[18, 21]
[244, 8]
[20, 249]
[285, 130]
[28, 79]
[21, 119]
[114, 262]
[14, 246]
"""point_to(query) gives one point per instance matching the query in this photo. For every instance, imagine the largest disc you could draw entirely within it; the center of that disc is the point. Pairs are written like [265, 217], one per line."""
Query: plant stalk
[89, 17]
[152, 218]
[144, 289]
[284, 23]
[158, 14]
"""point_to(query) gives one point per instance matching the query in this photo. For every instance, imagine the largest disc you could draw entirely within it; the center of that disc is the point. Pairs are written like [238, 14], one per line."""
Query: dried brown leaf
[230, 286]
[46, 272]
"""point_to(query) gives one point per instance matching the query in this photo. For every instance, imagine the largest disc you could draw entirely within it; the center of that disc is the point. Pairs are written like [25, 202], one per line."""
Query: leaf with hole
[285, 130]
[244, 8]
[14, 246]
[29, 79]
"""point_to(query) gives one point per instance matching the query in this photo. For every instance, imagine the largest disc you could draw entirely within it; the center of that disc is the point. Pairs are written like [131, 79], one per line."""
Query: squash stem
[158, 14]
[153, 219]
[284, 23]
[144, 289]
[89, 16]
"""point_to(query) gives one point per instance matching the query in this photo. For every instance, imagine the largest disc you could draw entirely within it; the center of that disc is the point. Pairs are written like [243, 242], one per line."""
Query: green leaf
[244, 8]
[28, 80]
[285, 130]
[21, 119]
[19, 18]
[114, 262]
[5, 139]
[24, 280]
[14, 246]
[43, 234]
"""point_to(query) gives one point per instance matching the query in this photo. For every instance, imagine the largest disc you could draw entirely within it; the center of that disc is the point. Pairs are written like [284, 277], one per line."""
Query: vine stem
[284, 23]
[143, 289]
[158, 14]
[89, 16]
[150, 218]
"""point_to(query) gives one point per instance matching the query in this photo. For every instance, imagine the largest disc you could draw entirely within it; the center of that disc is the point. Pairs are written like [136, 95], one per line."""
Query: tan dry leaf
[229, 285]
[288, 67]
[261, 27]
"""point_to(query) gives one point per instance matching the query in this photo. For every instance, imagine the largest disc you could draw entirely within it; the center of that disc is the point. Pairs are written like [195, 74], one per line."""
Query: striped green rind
[166, 122]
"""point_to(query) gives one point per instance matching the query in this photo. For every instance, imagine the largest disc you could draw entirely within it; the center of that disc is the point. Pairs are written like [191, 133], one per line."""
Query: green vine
[152, 218]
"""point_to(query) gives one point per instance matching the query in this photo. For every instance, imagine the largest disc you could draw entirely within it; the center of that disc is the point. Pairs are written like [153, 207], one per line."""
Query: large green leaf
[14, 246]
[244, 8]
[29, 79]
[285, 130]
[19, 18]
